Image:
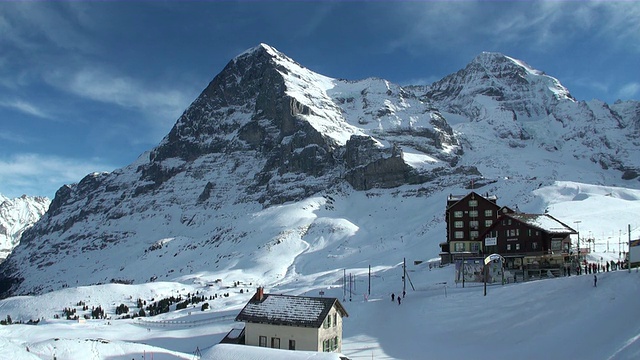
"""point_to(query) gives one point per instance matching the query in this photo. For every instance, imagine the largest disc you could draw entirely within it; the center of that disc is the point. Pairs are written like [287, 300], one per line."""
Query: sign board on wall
[490, 241]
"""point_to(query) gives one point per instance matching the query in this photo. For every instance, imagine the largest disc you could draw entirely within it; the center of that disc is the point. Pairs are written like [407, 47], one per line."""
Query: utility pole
[404, 276]
[369, 290]
[577, 222]
[344, 285]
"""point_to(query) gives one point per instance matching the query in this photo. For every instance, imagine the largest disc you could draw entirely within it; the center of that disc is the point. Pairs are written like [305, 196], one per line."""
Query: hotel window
[292, 344]
[473, 213]
[459, 234]
[458, 224]
[457, 214]
[275, 343]
[475, 247]
[508, 247]
[459, 246]
[488, 213]
[473, 203]
[473, 234]
[488, 223]
[262, 341]
[517, 246]
[473, 224]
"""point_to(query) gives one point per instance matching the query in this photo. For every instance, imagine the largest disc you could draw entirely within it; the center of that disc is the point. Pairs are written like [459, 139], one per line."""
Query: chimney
[259, 295]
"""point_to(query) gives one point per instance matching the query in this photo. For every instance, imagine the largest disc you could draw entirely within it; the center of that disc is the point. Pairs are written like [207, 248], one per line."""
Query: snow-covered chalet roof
[303, 311]
[544, 222]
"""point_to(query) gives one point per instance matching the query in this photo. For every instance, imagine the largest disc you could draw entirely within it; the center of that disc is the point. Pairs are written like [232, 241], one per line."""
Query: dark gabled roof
[303, 311]
[452, 200]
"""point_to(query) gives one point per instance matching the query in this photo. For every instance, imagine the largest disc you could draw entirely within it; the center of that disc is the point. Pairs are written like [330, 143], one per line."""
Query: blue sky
[89, 86]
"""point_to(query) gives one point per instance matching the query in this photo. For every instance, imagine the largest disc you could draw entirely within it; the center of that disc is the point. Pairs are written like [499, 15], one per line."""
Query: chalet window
[458, 224]
[488, 223]
[513, 232]
[508, 247]
[326, 346]
[262, 341]
[473, 213]
[335, 319]
[275, 343]
[459, 234]
[556, 245]
[473, 234]
[529, 232]
[457, 214]
[488, 213]
[459, 246]
[335, 343]
[517, 246]
[475, 247]
[292, 344]
[473, 203]
[534, 245]
[508, 221]
[473, 224]
[326, 323]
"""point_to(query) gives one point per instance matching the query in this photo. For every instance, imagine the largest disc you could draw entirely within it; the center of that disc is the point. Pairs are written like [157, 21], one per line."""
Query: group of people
[594, 268]
[399, 298]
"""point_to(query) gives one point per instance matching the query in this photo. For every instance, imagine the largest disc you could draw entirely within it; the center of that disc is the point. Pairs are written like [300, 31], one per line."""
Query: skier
[399, 300]
[393, 297]
[595, 280]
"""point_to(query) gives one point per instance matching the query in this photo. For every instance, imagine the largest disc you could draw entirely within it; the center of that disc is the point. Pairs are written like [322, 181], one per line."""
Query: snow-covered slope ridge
[17, 215]
[274, 172]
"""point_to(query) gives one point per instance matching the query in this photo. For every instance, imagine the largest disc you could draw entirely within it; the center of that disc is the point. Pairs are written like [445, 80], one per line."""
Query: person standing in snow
[399, 299]
[595, 280]
[393, 297]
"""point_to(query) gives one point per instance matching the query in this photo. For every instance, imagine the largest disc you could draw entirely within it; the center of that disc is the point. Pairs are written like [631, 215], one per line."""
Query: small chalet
[293, 322]
[529, 241]
[468, 216]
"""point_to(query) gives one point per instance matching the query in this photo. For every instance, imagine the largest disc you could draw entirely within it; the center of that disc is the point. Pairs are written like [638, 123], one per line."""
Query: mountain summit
[520, 89]
[268, 133]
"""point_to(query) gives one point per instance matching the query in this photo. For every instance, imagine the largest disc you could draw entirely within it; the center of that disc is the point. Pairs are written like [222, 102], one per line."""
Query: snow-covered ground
[560, 318]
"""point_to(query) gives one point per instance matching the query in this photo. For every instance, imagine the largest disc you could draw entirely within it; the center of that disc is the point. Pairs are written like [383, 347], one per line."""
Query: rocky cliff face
[266, 131]
[16, 216]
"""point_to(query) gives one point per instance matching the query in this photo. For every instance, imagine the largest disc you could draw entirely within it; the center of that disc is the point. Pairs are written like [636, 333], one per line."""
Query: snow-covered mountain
[270, 139]
[510, 105]
[17, 215]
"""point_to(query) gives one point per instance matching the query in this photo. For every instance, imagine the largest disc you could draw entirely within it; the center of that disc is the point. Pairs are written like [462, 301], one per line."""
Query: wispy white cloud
[34, 26]
[25, 107]
[6, 136]
[36, 174]
[159, 106]
[629, 91]
[537, 25]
